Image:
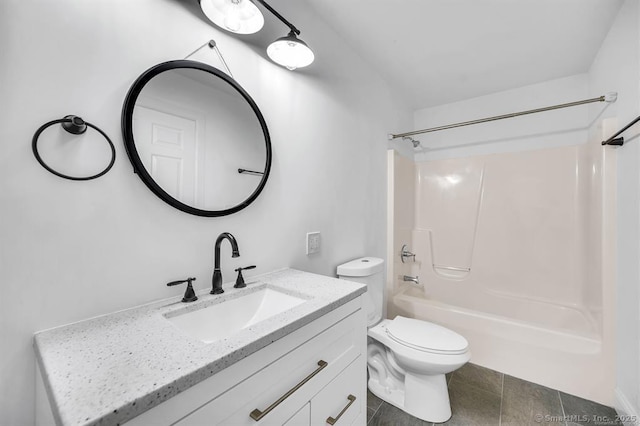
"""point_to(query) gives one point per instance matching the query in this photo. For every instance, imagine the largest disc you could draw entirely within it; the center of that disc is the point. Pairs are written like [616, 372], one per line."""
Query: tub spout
[415, 279]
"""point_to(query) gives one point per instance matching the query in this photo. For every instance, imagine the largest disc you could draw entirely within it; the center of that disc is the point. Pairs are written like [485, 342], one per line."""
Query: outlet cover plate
[313, 242]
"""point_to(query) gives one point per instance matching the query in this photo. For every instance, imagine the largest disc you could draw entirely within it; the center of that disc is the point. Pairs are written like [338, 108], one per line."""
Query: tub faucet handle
[405, 254]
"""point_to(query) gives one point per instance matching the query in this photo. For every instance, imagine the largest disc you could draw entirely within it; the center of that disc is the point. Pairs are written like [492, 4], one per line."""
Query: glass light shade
[236, 16]
[290, 52]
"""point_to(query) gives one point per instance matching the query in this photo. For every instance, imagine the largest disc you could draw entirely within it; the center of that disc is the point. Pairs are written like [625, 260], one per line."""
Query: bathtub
[560, 358]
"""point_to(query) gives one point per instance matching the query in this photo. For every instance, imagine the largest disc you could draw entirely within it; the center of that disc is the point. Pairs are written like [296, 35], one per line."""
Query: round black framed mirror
[196, 138]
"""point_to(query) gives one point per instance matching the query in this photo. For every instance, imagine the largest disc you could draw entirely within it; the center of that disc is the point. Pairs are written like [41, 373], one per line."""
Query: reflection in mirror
[193, 131]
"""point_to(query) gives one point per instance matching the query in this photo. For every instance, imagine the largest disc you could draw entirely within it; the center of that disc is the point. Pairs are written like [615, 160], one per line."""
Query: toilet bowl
[407, 359]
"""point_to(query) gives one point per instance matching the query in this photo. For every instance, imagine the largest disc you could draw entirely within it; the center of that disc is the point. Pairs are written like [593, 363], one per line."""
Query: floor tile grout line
[564, 415]
[375, 411]
[501, 400]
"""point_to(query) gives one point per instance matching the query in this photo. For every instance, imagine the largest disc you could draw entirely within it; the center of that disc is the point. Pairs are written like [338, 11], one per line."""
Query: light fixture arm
[277, 15]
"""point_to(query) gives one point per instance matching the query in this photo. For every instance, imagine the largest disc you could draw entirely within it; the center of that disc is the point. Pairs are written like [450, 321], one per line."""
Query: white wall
[72, 250]
[617, 67]
[536, 131]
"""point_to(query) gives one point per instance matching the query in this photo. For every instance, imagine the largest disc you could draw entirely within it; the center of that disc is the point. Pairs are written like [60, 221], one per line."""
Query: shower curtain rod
[609, 97]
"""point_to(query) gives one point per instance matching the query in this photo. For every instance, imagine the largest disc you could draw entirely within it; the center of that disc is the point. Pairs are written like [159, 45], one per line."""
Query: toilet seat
[425, 336]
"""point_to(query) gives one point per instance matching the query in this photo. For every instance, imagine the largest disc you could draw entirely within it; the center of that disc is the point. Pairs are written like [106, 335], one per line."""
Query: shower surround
[514, 252]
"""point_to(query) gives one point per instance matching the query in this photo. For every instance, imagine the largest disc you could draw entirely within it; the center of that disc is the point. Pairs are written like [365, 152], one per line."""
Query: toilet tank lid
[361, 267]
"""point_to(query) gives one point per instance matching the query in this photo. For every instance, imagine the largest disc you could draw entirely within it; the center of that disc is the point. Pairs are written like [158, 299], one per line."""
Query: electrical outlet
[313, 242]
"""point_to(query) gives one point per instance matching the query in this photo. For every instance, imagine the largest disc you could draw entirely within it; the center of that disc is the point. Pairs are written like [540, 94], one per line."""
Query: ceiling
[440, 51]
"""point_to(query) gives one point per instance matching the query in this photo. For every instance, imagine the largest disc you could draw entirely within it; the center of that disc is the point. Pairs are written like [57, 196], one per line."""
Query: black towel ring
[76, 126]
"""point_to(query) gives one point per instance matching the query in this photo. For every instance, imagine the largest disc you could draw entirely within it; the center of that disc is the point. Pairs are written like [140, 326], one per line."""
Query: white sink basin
[215, 322]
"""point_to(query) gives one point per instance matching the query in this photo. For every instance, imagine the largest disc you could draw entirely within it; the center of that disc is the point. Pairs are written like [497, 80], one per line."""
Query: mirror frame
[134, 157]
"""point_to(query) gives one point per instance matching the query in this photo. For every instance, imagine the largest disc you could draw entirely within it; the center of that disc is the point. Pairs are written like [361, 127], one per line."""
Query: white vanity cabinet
[315, 375]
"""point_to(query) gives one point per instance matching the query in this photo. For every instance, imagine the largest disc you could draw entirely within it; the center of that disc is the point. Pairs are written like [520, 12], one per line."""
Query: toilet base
[424, 397]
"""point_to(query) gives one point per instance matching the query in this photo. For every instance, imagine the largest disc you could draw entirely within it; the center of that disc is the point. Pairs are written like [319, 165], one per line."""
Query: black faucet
[216, 281]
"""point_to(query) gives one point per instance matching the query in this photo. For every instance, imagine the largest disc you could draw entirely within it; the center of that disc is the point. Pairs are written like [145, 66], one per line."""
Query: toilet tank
[369, 271]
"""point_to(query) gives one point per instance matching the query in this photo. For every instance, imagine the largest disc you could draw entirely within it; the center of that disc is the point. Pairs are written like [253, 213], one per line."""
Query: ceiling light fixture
[236, 16]
[243, 17]
[291, 52]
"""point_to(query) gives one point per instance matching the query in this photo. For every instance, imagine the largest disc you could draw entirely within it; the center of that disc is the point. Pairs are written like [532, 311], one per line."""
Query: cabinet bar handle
[257, 414]
[333, 421]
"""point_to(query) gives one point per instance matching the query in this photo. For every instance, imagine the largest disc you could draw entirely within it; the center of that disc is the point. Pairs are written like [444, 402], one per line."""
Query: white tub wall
[590, 242]
[617, 68]
[518, 229]
[448, 196]
[402, 204]
[72, 250]
[527, 239]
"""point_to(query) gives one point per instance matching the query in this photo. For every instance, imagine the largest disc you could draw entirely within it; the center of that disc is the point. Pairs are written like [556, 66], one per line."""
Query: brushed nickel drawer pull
[257, 414]
[333, 421]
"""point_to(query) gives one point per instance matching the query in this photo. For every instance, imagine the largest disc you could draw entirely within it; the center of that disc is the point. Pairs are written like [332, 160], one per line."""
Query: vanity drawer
[343, 401]
[301, 418]
[307, 369]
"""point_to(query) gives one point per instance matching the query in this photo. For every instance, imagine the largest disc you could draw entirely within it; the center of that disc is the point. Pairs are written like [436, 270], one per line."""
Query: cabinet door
[343, 401]
[301, 418]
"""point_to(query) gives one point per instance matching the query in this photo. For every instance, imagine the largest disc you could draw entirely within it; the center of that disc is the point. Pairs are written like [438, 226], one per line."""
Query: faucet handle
[240, 280]
[405, 254]
[189, 294]
[245, 268]
[188, 280]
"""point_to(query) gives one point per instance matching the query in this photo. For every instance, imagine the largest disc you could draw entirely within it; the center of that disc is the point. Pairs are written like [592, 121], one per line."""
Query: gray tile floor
[484, 397]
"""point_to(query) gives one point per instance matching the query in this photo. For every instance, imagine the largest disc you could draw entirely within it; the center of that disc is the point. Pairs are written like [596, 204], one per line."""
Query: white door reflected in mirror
[193, 132]
[168, 144]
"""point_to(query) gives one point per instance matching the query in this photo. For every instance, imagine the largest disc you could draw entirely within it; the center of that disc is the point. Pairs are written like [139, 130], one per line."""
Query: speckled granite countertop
[109, 369]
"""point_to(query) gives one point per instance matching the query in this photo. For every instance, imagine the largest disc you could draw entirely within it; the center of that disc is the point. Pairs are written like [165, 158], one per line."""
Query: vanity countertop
[109, 369]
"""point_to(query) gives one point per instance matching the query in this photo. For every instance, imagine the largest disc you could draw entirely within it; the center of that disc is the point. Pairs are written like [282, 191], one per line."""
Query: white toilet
[407, 358]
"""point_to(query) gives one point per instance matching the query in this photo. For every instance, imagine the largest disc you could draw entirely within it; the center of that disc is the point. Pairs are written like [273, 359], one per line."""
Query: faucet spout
[234, 247]
[415, 280]
[216, 281]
